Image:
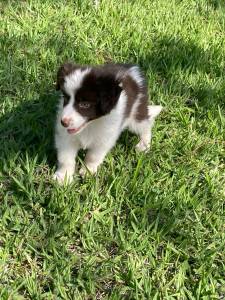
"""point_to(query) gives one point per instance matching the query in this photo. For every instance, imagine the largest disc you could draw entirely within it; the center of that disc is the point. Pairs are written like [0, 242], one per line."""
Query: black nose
[65, 122]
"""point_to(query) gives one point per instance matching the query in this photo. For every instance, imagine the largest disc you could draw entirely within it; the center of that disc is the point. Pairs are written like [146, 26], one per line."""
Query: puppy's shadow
[28, 129]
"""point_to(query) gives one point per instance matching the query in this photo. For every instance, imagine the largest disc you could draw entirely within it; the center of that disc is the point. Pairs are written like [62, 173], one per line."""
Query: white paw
[82, 171]
[91, 169]
[142, 146]
[62, 177]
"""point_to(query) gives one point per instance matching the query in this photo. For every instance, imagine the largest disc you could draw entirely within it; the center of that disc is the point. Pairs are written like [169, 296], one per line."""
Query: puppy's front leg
[93, 159]
[66, 154]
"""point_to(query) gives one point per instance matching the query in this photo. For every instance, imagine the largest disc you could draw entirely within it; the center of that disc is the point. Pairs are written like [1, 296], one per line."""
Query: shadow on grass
[216, 4]
[171, 58]
[29, 129]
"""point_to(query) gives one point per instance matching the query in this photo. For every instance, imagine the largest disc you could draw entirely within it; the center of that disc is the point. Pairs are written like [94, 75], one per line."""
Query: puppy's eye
[84, 105]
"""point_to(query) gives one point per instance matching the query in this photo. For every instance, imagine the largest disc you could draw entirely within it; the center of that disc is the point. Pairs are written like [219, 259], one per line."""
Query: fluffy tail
[154, 111]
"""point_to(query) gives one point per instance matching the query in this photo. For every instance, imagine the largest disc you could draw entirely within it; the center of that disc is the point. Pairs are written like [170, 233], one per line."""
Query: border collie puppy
[97, 104]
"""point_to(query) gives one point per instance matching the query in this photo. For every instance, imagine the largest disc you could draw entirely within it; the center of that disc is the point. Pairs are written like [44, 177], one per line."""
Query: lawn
[148, 226]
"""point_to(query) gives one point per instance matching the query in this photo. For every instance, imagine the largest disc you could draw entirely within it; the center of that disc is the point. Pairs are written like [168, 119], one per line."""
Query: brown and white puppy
[97, 104]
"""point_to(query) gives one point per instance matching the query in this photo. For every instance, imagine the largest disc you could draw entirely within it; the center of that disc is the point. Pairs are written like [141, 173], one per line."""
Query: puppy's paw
[142, 146]
[89, 169]
[82, 171]
[62, 177]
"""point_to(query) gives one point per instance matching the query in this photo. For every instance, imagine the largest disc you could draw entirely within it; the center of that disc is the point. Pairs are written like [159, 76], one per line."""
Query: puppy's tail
[154, 111]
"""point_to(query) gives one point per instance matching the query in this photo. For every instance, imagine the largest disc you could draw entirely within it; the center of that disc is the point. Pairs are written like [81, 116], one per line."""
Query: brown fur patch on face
[101, 89]
[86, 103]
[98, 94]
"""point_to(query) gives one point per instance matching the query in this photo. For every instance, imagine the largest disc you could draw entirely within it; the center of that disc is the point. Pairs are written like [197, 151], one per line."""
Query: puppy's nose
[65, 122]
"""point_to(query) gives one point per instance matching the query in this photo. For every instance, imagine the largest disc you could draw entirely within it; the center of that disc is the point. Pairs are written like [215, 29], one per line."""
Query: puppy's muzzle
[65, 122]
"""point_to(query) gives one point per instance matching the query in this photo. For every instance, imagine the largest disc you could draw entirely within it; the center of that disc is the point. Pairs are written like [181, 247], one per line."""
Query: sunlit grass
[148, 226]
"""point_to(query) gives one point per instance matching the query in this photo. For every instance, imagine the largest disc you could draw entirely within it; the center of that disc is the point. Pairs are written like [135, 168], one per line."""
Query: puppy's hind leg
[144, 128]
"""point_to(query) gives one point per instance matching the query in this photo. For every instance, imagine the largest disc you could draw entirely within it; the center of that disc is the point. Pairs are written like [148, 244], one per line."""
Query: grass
[148, 226]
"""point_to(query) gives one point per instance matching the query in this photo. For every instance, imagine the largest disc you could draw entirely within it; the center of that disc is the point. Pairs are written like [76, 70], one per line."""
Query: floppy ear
[109, 92]
[63, 71]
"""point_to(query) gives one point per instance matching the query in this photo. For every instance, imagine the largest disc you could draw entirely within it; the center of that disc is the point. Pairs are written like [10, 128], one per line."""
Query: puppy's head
[88, 94]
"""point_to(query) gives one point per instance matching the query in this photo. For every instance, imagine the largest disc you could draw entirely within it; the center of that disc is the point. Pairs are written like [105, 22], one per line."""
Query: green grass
[147, 226]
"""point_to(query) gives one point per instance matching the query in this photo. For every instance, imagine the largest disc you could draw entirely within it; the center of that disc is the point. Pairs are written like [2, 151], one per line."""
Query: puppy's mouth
[76, 130]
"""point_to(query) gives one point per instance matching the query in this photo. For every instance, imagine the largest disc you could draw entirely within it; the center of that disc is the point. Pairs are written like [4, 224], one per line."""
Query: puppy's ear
[63, 71]
[109, 91]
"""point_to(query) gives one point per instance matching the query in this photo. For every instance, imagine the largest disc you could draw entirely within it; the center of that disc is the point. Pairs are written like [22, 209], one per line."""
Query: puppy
[96, 105]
